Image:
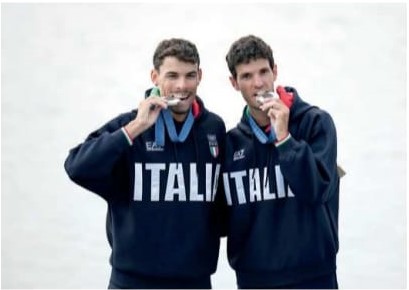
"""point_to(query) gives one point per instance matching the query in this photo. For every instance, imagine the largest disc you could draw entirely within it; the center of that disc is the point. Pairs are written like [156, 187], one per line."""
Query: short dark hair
[182, 49]
[245, 49]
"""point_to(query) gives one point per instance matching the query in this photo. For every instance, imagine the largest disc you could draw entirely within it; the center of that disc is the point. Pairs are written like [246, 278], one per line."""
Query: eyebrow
[193, 72]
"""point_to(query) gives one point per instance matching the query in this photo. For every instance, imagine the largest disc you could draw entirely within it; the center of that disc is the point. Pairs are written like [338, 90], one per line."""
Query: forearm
[134, 128]
[95, 158]
[310, 172]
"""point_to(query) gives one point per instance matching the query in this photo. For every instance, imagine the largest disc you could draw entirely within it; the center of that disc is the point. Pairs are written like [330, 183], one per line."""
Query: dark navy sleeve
[309, 164]
[94, 164]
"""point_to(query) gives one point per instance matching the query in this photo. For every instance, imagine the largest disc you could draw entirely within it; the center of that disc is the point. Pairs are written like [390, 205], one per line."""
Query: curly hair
[245, 49]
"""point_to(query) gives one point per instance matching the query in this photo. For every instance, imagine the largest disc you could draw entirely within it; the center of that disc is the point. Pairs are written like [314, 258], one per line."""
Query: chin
[180, 111]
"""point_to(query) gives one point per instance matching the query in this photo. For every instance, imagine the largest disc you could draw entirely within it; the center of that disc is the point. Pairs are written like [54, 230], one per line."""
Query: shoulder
[214, 117]
[126, 117]
[315, 122]
[316, 116]
[317, 111]
[237, 136]
[211, 119]
[322, 117]
[235, 131]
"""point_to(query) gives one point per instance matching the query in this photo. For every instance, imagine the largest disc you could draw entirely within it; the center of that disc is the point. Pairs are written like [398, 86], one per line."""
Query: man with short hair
[280, 180]
[157, 167]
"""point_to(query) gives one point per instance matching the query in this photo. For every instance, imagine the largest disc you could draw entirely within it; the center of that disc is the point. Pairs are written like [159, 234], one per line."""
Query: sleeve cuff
[281, 142]
[128, 138]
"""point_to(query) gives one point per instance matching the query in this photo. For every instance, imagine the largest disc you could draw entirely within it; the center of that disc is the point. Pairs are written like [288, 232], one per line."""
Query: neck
[260, 117]
[179, 117]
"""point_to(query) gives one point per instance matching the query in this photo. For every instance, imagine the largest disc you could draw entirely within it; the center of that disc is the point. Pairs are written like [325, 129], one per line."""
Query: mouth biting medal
[263, 96]
[172, 101]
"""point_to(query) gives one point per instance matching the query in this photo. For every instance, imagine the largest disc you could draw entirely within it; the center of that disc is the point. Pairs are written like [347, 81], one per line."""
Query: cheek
[245, 88]
[192, 84]
[167, 87]
[166, 91]
[247, 92]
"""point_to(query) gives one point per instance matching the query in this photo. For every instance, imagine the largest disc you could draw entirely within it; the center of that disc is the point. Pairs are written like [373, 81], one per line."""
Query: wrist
[133, 129]
[282, 140]
[127, 136]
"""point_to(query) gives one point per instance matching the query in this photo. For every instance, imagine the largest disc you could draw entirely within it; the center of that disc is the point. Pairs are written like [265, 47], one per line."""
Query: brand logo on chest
[238, 155]
[151, 146]
[213, 145]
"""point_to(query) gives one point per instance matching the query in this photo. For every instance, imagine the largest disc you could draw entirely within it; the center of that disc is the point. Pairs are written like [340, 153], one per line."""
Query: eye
[192, 75]
[264, 71]
[171, 76]
[245, 76]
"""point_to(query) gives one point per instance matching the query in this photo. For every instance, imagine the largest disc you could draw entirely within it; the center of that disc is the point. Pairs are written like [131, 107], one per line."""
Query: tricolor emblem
[213, 146]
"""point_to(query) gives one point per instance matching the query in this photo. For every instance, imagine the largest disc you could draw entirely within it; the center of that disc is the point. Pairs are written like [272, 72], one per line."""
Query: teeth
[174, 99]
[180, 96]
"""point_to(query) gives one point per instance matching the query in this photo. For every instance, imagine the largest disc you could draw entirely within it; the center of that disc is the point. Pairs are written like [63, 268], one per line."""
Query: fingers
[155, 103]
[149, 110]
[271, 103]
[272, 113]
[276, 109]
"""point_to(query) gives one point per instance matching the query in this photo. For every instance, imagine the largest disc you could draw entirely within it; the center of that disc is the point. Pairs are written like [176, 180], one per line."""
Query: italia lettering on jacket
[258, 188]
[178, 187]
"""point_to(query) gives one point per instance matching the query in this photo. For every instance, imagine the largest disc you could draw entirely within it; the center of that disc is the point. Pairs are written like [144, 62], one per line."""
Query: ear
[155, 77]
[274, 72]
[199, 75]
[234, 83]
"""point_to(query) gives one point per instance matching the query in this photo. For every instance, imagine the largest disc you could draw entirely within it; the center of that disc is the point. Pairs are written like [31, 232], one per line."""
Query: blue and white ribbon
[165, 119]
[261, 136]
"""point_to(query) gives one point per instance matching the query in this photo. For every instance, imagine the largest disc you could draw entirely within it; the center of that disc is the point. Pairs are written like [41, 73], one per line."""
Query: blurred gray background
[68, 68]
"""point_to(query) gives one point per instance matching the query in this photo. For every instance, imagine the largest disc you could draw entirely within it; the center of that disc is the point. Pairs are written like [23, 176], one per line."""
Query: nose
[258, 81]
[181, 83]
